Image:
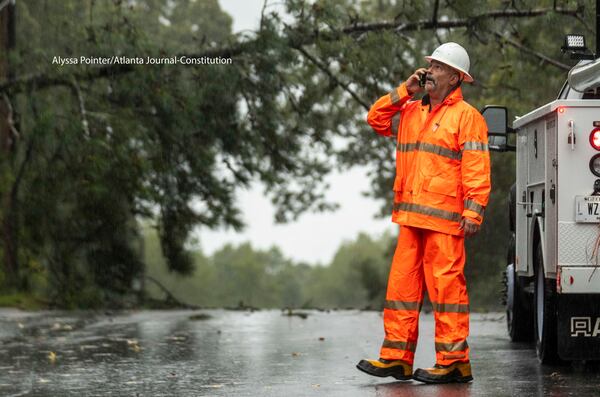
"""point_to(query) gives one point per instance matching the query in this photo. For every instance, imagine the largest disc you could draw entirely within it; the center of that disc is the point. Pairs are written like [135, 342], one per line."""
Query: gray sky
[314, 237]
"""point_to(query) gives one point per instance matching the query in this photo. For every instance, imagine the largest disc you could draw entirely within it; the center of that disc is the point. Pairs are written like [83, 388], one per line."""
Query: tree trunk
[7, 146]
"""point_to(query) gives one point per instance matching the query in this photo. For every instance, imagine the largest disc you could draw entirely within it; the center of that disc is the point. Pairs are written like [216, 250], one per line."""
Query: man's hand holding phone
[413, 83]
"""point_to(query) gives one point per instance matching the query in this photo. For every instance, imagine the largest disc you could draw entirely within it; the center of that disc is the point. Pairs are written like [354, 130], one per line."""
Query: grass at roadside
[22, 301]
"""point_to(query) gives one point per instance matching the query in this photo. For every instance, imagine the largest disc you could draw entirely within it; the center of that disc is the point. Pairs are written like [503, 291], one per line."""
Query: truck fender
[535, 232]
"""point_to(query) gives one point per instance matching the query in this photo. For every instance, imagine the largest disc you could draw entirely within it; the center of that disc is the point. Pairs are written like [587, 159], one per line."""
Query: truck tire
[519, 318]
[545, 326]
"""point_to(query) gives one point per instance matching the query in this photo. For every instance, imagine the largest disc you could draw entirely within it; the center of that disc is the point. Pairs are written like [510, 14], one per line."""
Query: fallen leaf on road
[217, 386]
[61, 327]
[52, 357]
[200, 316]
[133, 345]
[290, 313]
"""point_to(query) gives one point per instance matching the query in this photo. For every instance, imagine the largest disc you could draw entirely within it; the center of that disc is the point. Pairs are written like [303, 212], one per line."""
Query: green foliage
[241, 276]
[199, 288]
[23, 301]
[97, 152]
[356, 277]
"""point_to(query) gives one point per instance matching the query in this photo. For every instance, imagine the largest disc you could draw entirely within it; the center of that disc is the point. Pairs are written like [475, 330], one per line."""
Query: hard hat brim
[467, 77]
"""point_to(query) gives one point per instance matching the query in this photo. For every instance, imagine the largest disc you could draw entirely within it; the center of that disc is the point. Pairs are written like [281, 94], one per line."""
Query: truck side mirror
[496, 118]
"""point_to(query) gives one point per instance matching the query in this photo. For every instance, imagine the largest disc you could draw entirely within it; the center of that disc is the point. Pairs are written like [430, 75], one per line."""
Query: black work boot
[455, 372]
[382, 368]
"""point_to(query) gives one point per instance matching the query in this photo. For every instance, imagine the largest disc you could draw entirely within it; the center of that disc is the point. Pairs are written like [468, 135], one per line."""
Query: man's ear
[455, 79]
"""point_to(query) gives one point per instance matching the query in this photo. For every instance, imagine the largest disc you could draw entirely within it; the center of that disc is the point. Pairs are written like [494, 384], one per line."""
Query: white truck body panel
[549, 166]
[579, 280]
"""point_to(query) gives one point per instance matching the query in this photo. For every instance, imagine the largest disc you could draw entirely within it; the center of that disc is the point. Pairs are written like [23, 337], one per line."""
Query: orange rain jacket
[442, 159]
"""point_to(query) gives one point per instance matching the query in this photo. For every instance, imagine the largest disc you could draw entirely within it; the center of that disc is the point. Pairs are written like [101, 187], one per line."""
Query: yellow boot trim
[395, 363]
[464, 368]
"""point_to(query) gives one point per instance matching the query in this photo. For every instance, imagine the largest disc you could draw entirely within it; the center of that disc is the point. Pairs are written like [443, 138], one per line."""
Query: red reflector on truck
[595, 138]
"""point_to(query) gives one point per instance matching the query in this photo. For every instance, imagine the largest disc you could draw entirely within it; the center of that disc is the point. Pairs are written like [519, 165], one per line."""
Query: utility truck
[553, 265]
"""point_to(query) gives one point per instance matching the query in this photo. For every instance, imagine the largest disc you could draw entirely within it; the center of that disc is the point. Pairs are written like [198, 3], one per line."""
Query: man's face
[440, 79]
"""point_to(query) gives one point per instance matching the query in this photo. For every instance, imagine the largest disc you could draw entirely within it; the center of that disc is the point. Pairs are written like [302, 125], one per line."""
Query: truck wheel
[545, 312]
[518, 309]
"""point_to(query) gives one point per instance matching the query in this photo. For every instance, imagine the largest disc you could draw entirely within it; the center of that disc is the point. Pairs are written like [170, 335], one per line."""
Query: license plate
[587, 209]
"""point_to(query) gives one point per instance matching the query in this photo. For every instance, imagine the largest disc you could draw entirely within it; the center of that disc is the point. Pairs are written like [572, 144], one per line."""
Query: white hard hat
[455, 56]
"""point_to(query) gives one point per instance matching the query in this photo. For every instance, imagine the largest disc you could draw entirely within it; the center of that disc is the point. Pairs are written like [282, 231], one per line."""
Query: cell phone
[422, 79]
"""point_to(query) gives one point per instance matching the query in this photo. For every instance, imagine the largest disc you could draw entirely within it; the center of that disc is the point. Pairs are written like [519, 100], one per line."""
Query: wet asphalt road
[175, 353]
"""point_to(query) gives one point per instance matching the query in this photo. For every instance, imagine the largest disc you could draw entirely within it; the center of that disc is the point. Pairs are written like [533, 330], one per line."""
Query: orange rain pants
[439, 260]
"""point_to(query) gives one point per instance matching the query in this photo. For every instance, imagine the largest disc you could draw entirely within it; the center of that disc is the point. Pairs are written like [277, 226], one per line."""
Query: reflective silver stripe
[423, 209]
[429, 148]
[394, 96]
[395, 123]
[439, 150]
[406, 147]
[473, 206]
[398, 344]
[473, 145]
[451, 347]
[450, 307]
[454, 356]
[402, 305]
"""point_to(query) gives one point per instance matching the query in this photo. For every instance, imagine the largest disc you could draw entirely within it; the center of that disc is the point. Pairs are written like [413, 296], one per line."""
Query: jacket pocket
[441, 186]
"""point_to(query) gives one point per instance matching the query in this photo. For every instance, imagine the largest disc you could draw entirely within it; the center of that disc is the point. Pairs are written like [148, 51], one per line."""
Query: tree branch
[170, 298]
[585, 24]
[529, 51]
[10, 122]
[82, 111]
[262, 14]
[434, 17]
[456, 23]
[326, 70]
[22, 167]
[42, 80]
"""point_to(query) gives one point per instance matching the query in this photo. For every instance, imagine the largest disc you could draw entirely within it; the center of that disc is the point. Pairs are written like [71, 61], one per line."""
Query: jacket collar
[453, 97]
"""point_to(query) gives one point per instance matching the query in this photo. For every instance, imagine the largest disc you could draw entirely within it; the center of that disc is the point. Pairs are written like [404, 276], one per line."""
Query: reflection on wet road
[228, 353]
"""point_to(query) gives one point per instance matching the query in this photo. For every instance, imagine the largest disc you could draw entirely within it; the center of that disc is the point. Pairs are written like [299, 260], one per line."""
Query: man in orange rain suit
[441, 189]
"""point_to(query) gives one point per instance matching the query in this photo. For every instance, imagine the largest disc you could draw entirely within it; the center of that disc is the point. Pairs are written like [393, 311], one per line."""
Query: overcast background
[313, 237]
